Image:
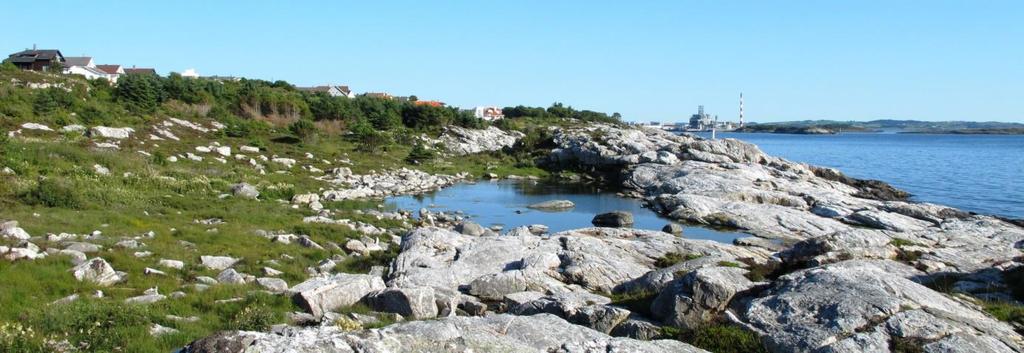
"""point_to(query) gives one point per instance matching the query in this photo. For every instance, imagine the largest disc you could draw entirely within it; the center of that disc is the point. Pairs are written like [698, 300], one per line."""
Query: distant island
[822, 127]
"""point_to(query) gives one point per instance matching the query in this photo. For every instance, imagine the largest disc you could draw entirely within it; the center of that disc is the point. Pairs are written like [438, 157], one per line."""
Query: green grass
[56, 190]
[672, 258]
[637, 301]
[897, 242]
[1004, 311]
[718, 338]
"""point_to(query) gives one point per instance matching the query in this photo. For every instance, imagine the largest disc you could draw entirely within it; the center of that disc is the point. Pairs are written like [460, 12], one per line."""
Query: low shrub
[254, 317]
[419, 154]
[51, 192]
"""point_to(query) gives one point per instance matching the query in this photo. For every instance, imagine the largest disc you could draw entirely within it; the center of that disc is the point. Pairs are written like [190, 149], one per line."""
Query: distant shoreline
[1008, 131]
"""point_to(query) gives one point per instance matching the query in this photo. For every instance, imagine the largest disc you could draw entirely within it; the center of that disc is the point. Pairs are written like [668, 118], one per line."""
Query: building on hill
[84, 66]
[113, 72]
[383, 95]
[140, 71]
[223, 78]
[331, 90]
[37, 59]
[488, 113]
[430, 103]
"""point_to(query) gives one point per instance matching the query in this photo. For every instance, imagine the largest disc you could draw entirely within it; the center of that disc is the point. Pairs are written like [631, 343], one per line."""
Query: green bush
[97, 326]
[52, 192]
[50, 100]
[419, 154]
[303, 129]
[140, 93]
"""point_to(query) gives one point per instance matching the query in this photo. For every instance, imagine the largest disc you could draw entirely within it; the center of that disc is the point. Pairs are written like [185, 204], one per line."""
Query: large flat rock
[863, 305]
[493, 333]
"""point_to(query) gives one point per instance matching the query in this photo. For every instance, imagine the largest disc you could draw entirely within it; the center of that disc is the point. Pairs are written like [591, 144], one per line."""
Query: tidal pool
[505, 203]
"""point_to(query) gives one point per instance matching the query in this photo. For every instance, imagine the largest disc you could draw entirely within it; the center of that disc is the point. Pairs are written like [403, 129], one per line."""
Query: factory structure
[701, 121]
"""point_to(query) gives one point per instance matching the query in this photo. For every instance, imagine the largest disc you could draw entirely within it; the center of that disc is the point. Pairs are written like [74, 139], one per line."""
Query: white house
[488, 113]
[83, 65]
[113, 71]
[190, 73]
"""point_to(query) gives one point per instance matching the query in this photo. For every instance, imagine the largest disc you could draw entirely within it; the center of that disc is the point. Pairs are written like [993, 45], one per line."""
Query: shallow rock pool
[505, 203]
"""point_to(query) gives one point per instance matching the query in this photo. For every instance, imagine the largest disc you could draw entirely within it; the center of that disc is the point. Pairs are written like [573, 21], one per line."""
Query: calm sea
[980, 173]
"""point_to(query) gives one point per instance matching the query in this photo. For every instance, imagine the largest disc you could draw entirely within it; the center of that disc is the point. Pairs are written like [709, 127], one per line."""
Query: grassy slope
[166, 198]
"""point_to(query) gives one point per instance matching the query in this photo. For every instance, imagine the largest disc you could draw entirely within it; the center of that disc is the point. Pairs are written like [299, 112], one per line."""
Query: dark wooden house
[37, 59]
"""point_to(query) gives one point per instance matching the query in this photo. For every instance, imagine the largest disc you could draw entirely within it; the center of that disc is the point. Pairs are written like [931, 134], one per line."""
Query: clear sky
[649, 60]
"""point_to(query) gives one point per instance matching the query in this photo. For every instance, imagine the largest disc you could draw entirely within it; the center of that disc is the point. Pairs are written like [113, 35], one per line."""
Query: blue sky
[650, 60]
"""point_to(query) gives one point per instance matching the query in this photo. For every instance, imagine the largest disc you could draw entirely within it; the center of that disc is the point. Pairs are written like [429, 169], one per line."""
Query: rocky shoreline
[833, 264]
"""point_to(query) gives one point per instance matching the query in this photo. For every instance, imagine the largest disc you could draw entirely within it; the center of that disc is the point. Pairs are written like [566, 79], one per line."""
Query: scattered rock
[98, 271]
[417, 303]
[111, 133]
[217, 263]
[322, 294]
[553, 205]
[245, 190]
[673, 228]
[272, 284]
[470, 228]
[613, 219]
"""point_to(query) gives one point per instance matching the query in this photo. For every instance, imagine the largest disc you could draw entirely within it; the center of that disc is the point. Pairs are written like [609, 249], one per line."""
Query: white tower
[741, 109]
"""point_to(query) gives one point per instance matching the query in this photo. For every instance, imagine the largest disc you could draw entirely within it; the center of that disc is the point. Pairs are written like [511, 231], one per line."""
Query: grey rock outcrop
[493, 333]
[463, 141]
[729, 183]
[415, 303]
[698, 297]
[597, 259]
[862, 305]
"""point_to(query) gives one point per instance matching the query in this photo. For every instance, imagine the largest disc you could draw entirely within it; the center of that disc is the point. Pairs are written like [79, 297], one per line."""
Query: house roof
[28, 56]
[109, 69]
[77, 61]
[325, 89]
[140, 70]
